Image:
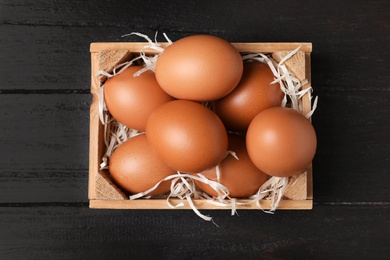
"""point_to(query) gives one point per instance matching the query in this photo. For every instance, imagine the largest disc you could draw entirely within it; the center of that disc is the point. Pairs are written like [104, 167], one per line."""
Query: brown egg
[135, 168]
[281, 141]
[199, 68]
[187, 136]
[241, 177]
[252, 95]
[130, 100]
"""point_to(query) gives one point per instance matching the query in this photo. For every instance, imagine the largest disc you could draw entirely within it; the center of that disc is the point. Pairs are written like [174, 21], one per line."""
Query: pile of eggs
[181, 134]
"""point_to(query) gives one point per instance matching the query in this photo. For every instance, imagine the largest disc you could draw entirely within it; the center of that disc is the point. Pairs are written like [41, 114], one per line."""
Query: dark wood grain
[44, 146]
[44, 132]
[42, 39]
[353, 130]
[335, 232]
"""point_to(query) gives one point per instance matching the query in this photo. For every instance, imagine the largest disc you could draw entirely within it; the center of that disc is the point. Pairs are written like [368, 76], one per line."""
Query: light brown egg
[187, 136]
[130, 100]
[241, 177]
[281, 141]
[252, 95]
[199, 68]
[135, 167]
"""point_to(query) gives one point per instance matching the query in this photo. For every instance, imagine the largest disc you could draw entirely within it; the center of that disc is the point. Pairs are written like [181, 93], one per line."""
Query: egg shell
[281, 141]
[135, 167]
[241, 177]
[130, 100]
[187, 136]
[253, 94]
[199, 68]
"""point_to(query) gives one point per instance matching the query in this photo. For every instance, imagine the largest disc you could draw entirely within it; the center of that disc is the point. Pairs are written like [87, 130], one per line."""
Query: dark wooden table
[44, 132]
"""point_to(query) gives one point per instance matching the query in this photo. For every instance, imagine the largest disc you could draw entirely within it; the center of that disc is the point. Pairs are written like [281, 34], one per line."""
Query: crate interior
[104, 193]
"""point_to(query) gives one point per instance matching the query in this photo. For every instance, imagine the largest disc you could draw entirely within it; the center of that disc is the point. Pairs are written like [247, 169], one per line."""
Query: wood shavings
[184, 188]
[149, 61]
[109, 59]
[293, 87]
[271, 190]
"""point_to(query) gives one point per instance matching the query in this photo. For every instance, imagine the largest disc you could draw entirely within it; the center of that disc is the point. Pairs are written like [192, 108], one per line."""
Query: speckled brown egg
[199, 68]
[135, 168]
[252, 95]
[187, 136]
[130, 100]
[281, 141]
[241, 177]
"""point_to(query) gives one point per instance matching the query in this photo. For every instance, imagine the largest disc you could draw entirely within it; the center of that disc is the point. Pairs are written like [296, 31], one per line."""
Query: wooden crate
[103, 193]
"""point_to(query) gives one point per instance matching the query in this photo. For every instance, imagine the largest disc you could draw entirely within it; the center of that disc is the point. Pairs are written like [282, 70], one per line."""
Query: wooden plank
[337, 232]
[44, 132]
[45, 47]
[178, 16]
[44, 58]
[44, 147]
[199, 204]
[95, 128]
[242, 47]
[345, 121]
